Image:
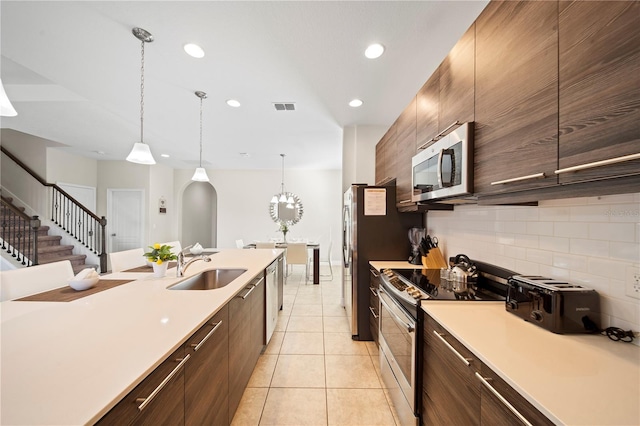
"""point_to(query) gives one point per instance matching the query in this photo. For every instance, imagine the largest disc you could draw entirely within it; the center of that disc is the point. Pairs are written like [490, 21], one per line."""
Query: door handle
[113, 235]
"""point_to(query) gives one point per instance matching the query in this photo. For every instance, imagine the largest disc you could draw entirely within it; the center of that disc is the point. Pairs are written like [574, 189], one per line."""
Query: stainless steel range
[401, 293]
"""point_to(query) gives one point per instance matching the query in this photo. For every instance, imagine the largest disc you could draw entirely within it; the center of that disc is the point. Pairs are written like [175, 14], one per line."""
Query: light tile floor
[312, 372]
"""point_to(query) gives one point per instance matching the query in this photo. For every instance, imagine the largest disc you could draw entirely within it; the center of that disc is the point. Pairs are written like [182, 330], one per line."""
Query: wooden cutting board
[67, 294]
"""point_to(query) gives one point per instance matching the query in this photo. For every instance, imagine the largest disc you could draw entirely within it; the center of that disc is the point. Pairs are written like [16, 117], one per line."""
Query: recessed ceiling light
[100, 152]
[164, 155]
[194, 50]
[233, 103]
[355, 103]
[374, 51]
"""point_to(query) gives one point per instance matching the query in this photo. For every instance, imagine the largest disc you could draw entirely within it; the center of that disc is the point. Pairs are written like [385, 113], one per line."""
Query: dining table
[310, 246]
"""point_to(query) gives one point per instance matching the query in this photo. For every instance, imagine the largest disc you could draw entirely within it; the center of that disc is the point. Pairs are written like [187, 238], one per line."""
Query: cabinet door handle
[502, 399]
[467, 361]
[519, 179]
[405, 202]
[373, 312]
[197, 346]
[374, 273]
[599, 163]
[373, 291]
[248, 293]
[146, 401]
[439, 135]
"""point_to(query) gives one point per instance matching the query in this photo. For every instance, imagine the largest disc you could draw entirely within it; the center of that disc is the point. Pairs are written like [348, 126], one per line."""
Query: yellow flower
[156, 246]
[159, 261]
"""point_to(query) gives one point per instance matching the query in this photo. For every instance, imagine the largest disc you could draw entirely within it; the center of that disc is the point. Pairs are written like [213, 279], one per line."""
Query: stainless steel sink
[209, 279]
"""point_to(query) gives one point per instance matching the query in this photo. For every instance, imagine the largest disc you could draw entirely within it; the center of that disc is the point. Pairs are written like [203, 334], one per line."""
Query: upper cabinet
[516, 97]
[427, 104]
[386, 157]
[406, 149]
[599, 50]
[457, 77]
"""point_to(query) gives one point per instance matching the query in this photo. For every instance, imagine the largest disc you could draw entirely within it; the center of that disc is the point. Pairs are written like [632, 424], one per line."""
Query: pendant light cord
[142, 94]
[282, 183]
[200, 132]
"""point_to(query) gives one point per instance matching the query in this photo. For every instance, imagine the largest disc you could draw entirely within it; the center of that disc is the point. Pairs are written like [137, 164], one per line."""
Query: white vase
[160, 271]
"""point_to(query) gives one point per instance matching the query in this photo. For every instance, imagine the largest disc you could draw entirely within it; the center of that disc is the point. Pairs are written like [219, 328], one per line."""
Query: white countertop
[573, 379]
[68, 363]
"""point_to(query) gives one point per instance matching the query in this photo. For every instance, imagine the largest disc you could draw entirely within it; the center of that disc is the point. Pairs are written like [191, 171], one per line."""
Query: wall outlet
[632, 282]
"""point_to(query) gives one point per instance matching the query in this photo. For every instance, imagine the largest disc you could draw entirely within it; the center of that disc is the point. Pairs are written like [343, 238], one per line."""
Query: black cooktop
[428, 280]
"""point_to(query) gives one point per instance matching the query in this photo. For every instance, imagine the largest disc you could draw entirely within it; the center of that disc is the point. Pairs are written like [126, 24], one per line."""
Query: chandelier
[285, 207]
[283, 197]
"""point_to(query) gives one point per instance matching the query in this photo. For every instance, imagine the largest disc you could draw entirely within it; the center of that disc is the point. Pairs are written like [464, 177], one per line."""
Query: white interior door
[125, 226]
[85, 195]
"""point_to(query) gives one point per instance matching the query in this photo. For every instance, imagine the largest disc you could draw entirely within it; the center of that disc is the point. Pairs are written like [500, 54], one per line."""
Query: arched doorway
[199, 215]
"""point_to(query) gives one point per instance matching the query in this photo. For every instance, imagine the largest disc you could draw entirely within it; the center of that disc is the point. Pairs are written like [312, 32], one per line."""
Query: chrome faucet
[182, 265]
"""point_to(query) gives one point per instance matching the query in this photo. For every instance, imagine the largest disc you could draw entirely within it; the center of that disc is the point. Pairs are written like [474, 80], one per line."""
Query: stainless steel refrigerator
[372, 229]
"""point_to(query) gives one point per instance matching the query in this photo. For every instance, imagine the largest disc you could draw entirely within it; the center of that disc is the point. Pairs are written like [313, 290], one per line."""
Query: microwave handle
[451, 153]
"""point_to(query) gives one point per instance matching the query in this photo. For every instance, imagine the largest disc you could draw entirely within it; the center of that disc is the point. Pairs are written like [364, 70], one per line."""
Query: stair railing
[19, 234]
[78, 221]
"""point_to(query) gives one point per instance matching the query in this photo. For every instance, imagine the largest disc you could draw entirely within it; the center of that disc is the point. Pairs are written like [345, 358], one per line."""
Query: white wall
[243, 204]
[70, 168]
[594, 242]
[359, 154]
[161, 226]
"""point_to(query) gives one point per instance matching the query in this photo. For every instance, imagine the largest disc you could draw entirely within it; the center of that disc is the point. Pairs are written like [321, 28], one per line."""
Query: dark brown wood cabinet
[516, 97]
[427, 105]
[599, 80]
[457, 82]
[374, 303]
[207, 373]
[386, 157]
[502, 406]
[450, 391]
[157, 400]
[460, 389]
[406, 149]
[246, 327]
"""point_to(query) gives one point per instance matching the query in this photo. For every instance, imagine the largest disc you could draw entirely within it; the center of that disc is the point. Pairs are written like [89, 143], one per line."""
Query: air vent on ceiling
[284, 106]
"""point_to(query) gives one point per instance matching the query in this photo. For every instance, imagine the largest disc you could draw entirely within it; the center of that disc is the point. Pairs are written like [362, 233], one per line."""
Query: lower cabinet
[206, 387]
[374, 303]
[246, 338]
[202, 382]
[157, 400]
[459, 389]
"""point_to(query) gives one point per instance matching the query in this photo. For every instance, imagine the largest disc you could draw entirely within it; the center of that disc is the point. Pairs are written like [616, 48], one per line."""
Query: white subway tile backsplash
[570, 261]
[588, 241]
[612, 231]
[625, 251]
[571, 229]
[589, 247]
[558, 244]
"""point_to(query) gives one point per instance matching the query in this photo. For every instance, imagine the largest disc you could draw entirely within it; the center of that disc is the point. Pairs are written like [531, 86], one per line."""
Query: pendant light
[141, 154]
[283, 197]
[201, 174]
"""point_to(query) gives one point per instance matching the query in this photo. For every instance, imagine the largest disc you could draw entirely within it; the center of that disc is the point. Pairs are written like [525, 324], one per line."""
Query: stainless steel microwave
[445, 168]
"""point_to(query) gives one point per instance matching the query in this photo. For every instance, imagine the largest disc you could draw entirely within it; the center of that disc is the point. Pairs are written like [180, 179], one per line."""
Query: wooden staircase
[50, 248]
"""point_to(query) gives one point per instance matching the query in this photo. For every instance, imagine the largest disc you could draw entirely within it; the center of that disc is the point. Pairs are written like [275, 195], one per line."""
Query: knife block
[434, 259]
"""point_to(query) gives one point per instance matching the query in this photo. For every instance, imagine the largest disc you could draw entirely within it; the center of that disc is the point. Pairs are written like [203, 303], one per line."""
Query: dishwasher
[272, 307]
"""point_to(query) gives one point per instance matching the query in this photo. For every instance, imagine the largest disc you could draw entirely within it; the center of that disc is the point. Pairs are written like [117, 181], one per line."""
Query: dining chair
[21, 282]
[327, 260]
[265, 245]
[297, 254]
[127, 259]
[176, 247]
[239, 244]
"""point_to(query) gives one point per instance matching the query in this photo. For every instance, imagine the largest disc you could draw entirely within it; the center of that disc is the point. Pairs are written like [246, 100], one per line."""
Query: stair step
[49, 240]
[75, 259]
[78, 268]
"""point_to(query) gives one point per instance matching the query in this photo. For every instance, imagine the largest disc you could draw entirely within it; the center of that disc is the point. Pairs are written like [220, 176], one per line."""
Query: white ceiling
[72, 71]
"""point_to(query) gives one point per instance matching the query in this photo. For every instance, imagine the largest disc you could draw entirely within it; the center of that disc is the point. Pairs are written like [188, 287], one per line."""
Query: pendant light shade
[141, 154]
[6, 109]
[200, 174]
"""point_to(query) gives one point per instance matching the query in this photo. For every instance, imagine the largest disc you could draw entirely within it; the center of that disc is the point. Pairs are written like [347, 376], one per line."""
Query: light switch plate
[632, 282]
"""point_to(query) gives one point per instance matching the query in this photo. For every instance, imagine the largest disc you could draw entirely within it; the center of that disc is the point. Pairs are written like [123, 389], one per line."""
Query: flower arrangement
[160, 253]
[284, 228]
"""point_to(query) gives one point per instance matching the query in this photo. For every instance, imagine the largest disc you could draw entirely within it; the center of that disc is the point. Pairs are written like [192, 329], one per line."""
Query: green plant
[160, 254]
[284, 228]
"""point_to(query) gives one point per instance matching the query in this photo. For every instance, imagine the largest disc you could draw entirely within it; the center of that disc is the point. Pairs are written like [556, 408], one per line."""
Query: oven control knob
[512, 304]
[536, 316]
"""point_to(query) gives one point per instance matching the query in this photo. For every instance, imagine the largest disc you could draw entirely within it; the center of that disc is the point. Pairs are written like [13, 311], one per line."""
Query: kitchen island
[572, 379]
[71, 362]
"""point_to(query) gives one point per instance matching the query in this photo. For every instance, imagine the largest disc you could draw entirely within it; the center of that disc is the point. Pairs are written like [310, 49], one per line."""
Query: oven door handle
[410, 328]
